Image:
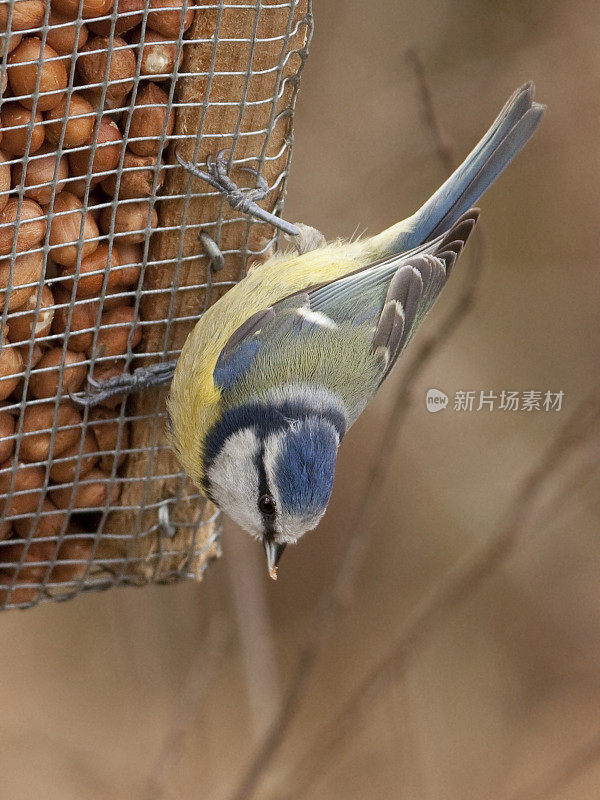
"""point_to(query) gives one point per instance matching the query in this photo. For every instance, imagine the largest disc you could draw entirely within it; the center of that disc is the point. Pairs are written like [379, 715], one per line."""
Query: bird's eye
[266, 505]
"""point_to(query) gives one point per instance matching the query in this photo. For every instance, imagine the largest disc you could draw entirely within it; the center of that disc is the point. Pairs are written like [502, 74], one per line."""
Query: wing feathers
[414, 288]
[389, 330]
[398, 314]
[406, 288]
[247, 329]
[458, 234]
[389, 297]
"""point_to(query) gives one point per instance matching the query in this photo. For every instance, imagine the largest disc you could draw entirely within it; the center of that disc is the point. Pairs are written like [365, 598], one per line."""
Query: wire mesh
[90, 116]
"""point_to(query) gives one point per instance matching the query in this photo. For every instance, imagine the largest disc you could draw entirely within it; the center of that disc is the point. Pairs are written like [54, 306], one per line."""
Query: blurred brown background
[510, 686]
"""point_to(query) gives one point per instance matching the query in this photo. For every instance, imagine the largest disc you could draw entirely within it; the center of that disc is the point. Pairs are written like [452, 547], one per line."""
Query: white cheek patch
[234, 480]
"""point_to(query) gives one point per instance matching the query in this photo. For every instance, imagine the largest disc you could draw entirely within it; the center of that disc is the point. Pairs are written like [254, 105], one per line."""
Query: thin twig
[337, 595]
[467, 575]
[254, 630]
[198, 680]
[564, 773]
[581, 475]
[442, 143]
[81, 766]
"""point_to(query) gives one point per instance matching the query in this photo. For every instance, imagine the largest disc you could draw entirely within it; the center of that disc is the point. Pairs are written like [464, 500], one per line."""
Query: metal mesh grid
[78, 223]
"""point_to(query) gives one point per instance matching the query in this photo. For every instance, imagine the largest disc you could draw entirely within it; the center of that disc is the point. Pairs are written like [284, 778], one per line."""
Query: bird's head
[272, 473]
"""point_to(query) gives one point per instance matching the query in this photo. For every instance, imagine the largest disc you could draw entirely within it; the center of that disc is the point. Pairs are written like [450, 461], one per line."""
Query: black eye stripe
[266, 505]
[264, 491]
[263, 483]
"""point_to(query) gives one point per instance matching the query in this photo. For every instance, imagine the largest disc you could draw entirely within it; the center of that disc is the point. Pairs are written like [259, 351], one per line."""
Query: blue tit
[275, 373]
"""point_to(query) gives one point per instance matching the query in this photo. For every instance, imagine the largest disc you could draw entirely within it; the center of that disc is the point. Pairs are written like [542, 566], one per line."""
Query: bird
[275, 373]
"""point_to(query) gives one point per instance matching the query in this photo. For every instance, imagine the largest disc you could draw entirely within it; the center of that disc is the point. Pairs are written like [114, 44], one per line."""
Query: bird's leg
[137, 381]
[244, 200]
[303, 238]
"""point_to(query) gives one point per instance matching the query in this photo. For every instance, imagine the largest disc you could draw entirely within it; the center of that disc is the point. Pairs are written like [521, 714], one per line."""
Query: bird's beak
[273, 551]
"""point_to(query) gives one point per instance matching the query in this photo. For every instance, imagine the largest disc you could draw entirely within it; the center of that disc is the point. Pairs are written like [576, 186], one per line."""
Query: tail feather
[497, 162]
[509, 133]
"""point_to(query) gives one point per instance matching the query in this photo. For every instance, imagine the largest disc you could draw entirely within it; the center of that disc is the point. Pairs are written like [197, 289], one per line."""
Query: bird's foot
[244, 200]
[139, 380]
[236, 197]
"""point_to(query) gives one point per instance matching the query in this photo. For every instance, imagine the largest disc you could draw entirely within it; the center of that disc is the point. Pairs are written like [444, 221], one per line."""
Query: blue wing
[257, 332]
[388, 297]
[241, 349]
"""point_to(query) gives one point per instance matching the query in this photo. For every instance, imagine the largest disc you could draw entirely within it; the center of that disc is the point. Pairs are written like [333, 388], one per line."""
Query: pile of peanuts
[84, 118]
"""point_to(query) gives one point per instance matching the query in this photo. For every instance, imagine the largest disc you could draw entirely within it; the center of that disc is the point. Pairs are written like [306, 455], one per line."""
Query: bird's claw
[93, 382]
[244, 200]
[97, 391]
[262, 187]
[237, 197]
[140, 379]
[217, 167]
